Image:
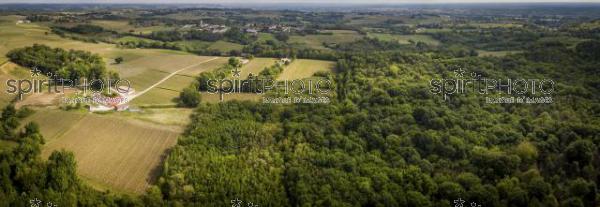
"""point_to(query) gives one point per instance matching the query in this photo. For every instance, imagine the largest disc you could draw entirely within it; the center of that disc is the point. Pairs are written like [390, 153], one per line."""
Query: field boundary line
[4, 63]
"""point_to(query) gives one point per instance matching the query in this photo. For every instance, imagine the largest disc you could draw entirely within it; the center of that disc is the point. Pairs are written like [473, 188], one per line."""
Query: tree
[234, 62]
[62, 171]
[189, 97]
[589, 50]
[580, 151]
[118, 60]
[282, 36]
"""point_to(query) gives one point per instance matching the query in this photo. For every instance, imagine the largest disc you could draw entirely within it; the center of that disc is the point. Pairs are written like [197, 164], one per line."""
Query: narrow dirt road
[130, 98]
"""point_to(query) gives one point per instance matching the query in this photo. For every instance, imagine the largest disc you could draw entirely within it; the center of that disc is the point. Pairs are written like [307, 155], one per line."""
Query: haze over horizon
[294, 1]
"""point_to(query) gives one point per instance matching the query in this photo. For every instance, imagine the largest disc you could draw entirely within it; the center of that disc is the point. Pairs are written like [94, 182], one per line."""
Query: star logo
[236, 72]
[459, 73]
[35, 72]
[459, 202]
[236, 203]
[35, 202]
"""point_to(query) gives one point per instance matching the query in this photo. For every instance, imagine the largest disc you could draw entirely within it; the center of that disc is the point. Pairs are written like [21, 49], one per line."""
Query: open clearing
[124, 26]
[225, 46]
[122, 153]
[142, 67]
[405, 39]
[255, 66]
[317, 41]
[483, 53]
[303, 68]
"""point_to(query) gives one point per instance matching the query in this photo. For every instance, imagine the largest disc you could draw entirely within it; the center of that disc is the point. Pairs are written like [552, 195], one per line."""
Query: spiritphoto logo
[312, 90]
[57, 84]
[520, 90]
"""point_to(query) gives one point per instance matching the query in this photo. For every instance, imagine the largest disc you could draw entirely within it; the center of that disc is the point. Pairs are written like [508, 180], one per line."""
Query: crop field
[316, 41]
[405, 39]
[146, 70]
[123, 154]
[303, 68]
[166, 92]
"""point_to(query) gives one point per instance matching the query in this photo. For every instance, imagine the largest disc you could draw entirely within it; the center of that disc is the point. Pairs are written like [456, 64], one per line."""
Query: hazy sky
[289, 1]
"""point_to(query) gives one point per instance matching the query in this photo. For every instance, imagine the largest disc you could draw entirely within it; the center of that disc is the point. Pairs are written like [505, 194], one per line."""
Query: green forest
[385, 139]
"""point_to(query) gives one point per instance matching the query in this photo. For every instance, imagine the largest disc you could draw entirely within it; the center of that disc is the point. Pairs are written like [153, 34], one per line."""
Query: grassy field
[265, 36]
[176, 117]
[167, 92]
[193, 45]
[316, 41]
[225, 46]
[215, 98]
[483, 53]
[111, 151]
[124, 26]
[255, 66]
[302, 68]
[404, 39]
[134, 39]
[570, 41]
[9, 70]
[20, 35]
[496, 25]
[148, 69]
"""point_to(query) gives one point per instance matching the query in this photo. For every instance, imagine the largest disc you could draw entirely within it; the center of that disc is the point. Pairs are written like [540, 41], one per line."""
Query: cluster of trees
[493, 39]
[385, 140]
[149, 44]
[233, 34]
[71, 64]
[27, 179]
[86, 29]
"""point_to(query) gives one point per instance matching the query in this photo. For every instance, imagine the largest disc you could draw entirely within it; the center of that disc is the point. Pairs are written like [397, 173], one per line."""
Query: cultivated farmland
[110, 151]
